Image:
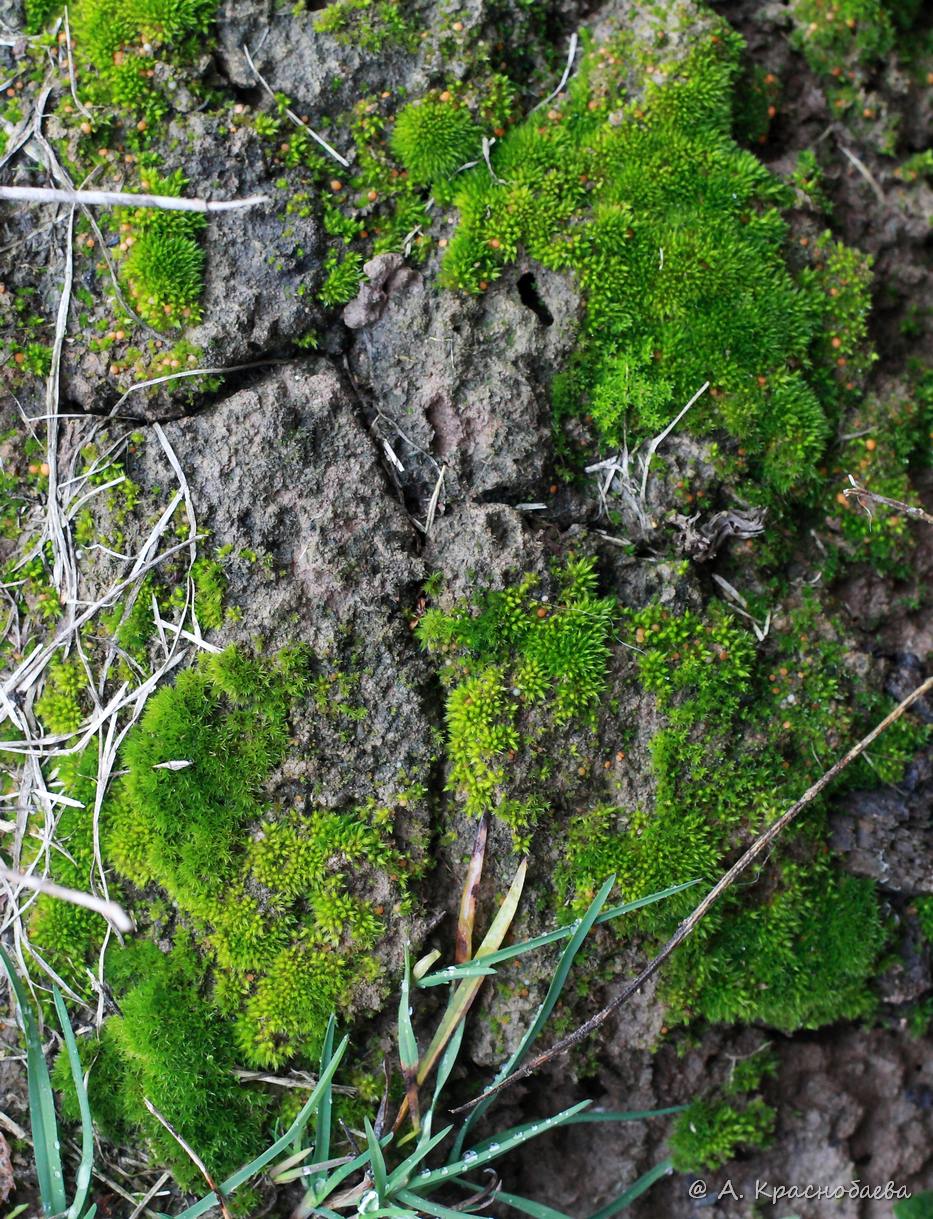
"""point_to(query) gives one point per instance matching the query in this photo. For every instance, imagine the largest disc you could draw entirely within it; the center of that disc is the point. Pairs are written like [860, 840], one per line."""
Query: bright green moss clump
[59, 704]
[107, 29]
[708, 1134]
[167, 1045]
[433, 138]
[634, 183]
[163, 267]
[117, 45]
[516, 651]
[267, 889]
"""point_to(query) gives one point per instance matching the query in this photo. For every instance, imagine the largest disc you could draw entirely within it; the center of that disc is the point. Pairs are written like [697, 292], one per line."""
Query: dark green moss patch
[746, 734]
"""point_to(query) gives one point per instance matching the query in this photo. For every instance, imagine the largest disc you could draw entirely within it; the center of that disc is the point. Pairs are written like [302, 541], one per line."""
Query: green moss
[229, 719]
[883, 438]
[267, 889]
[342, 278]
[108, 29]
[368, 24]
[169, 1046]
[433, 138]
[772, 723]
[39, 13]
[210, 586]
[676, 239]
[163, 266]
[67, 936]
[59, 705]
[709, 1134]
[511, 652]
[836, 34]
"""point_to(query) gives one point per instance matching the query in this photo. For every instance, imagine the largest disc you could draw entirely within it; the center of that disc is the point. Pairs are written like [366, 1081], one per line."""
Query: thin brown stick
[866, 497]
[191, 1154]
[757, 848]
[116, 198]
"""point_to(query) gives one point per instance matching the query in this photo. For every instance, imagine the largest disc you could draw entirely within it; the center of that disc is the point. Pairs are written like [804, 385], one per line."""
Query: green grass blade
[399, 1175]
[42, 1119]
[580, 931]
[89, 1214]
[85, 1167]
[321, 1192]
[423, 1206]
[322, 1118]
[377, 1163]
[454, 972]
[502, 1146]
[468, 989]
[408, 1046]
[527, 1206]
[254, 1166]
[627, 1115]
[634, 1191]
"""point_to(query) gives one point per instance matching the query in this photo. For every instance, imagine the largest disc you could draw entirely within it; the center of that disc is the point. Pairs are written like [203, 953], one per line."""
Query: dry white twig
[109, 910]
[658, 440]
[328, 148]
[571, 55]
[435, 497]
[116, 198]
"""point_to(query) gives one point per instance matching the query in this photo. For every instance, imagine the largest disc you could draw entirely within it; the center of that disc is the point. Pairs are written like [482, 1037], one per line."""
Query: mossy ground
[634, 182]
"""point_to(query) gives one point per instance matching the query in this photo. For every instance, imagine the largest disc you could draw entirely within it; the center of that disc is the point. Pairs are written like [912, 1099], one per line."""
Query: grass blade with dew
[635, 1190]
[235, 1180]
[466, 992]
[507, 1142]
[426, 1207]
[85, 1167]
[527, 1206]
[42, 1119]
[579, 932]
[453, 972]
[633, 1115]
[408, 1046]
[398, 1176]
[320, 1192]
[293, 1169]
